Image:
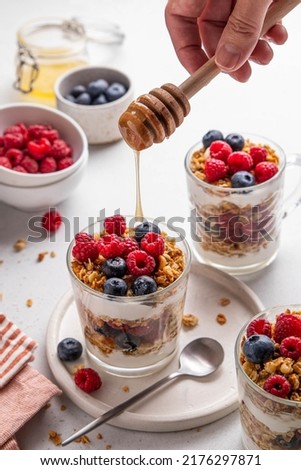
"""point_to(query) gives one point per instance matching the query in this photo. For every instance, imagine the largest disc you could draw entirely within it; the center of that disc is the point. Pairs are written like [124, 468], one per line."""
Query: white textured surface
[266, 105]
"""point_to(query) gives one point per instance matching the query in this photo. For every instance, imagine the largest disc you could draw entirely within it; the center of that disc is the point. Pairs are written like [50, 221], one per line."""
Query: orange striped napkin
[16, 350]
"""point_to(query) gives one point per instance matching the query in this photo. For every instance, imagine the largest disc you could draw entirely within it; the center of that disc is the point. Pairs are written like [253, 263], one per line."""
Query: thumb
[241, 34]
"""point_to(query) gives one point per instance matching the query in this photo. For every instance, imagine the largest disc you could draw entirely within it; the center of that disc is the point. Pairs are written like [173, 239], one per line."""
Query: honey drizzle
[138, 211]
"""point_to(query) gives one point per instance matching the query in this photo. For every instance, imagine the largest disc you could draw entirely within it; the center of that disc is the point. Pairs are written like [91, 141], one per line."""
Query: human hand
[228, 29]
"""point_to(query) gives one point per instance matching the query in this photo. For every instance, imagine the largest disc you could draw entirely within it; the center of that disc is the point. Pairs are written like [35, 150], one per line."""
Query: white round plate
[184, 403]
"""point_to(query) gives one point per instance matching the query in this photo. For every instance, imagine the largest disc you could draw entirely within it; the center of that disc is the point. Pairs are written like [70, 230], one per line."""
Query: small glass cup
[131, 335]
[238, 229]
[268, 422]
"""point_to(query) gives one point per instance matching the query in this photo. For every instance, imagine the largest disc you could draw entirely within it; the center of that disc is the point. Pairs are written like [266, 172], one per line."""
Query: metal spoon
[199, 358]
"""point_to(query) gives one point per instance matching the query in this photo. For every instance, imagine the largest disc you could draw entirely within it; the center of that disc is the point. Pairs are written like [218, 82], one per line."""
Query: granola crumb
[99, 436]
[1, 296]
[189, 320]
[55, 438]
[48, 405]
[221, 318]
[1, 261]
[19, 245]
[63, 407]
[83, 440]
[108, 446]
[76, 368]
[29, 303]
[224, 301]
[41, 256]
[52, 254]
[126, 388]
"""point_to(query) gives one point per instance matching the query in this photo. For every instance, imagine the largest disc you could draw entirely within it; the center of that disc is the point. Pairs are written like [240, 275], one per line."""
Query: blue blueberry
[143, 285]
[114, 267]
[70, 98]
[84, 98]
[69, 349]
[127, 342]
[242, 179]
[258, 348]
[236, 141]
[97, 87]
[78, 90]
[144, 228]
[101, 99]
[115, 286]
[211, 136]
[116, 90]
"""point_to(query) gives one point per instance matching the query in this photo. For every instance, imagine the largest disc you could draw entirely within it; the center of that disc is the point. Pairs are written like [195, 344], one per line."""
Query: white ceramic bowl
[37, 191]
[100, 122]
[69, 130]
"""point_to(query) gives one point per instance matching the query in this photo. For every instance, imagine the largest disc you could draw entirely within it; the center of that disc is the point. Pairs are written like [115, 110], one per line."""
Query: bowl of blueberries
[95, 97]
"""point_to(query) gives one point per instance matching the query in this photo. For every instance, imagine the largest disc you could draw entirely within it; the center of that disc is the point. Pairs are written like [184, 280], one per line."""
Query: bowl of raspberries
[43, 155]
[268, 363]
[95, 97]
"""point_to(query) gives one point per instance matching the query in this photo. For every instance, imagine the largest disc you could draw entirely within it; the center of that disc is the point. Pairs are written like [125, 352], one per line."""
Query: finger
[262, 53]
[241, 34]
[181, 22]
[243, 73]
[212, 23]
[277, 34]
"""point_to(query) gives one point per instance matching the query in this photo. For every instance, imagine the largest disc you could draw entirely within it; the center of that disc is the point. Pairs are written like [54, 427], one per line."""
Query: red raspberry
[260, 326]
[129, 244]
[1, 141]
[39, 148]
[110, 246]
[139, 263]
[277, 385]
[60, 149]
[13, 130]
[115, 224]
[265, 171]
[258, 154]
[51, 220]
[15, 156]
[35, 131]
[239, 161]
[30, 165]
[291, 347]
[13, 141]
[2, 151]
[49, 134]
[63, 163]
[153, 244]
[87, 379]
[214, 169]
[286, 325]
[220, 150]
[20, 169]
[48, 165]
[85, 251]
[83, 237]
[4, 161]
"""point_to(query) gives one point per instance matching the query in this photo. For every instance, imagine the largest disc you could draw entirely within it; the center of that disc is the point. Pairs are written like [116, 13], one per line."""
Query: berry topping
[87, 379]
[4, 161]
[48, 165]
[110, 246]
[60, 149]
[83, 237]
[153, 244]
[38, 149]
[258, 348]
[239, 161]
[127, 342]
[214, 170]
[63, 163]
[115, 224]
[83, 98]
[144, 228]
[220, 150]
[265, 171]
[115, 91]
[129, 244]
[115, 286]
[30, 165]
[258, 154]
[13, 141]
[85, 251]
[291, 347]
[51, 220]
[96, 92]
[97, 87]
[20, 169]
[242, 179]
[259, 326]
[15, 156]
[277, 385]
[286, 325]
[236, 141]
[139, 263]
[78, 90]
[144, 285]
[69, 349]
[211, 136]
[114, 267]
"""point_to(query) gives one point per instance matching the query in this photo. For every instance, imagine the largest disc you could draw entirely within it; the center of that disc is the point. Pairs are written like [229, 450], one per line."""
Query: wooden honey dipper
[156, 115]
